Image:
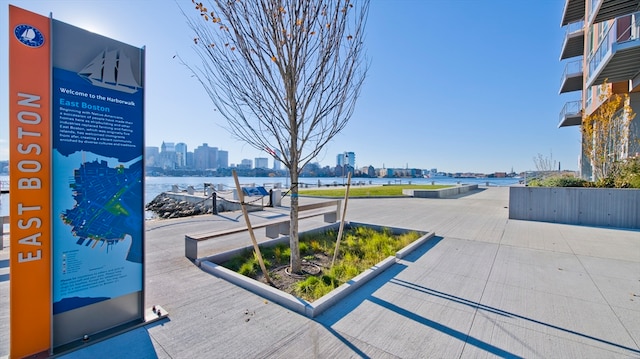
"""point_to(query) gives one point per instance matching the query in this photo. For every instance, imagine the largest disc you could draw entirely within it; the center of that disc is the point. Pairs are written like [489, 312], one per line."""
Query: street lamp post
[345, 163]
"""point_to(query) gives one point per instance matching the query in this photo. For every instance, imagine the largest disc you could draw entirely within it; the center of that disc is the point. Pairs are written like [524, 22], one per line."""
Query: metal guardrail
[570, 108]
[574, 27]
[613, 36]
[572, 67]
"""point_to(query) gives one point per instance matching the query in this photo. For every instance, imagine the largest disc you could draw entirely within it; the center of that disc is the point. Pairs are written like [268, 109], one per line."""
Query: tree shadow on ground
[498, 311]
[366, 293]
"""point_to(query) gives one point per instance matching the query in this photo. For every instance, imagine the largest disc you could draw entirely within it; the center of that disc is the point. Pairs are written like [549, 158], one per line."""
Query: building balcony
[617, 57]
[571, 79]
[573, 44]
[571, 114]
[634, 84]
[603, 10]
[573, 11]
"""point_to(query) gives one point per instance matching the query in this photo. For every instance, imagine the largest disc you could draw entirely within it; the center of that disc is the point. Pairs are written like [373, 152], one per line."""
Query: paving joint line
[486, 283]
[615, 313]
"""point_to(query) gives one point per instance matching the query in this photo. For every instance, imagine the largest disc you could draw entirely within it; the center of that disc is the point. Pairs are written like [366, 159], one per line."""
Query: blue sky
[459, 85]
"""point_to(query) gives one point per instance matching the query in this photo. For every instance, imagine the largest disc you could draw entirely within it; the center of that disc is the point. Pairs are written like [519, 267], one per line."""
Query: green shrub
[565, 181]
[629, 174]
[314, 287]
[236, 262]
[406, 239]
[267, 263]
[249, 268]
[307, 286]
[360, 249]
[607, 182]
[280, 253]
[559, 181]
[330, 280]
[250, 265]
[623, 174]
[304, 248]
[315, 246]
[536, 182]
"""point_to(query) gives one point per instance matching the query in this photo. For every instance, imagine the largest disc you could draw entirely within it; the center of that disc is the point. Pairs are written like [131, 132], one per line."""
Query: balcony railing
[571, 79]
[612, 38]
[573, 44]
[603, 10]
[571, 114]
[573, 11]
[574, 27]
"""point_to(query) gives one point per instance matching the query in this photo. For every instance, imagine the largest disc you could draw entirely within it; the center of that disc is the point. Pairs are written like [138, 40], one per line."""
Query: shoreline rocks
[165, 206]
[168, 205]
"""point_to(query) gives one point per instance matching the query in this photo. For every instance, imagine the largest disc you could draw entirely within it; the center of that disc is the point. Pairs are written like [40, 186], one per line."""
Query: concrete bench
[273, 228]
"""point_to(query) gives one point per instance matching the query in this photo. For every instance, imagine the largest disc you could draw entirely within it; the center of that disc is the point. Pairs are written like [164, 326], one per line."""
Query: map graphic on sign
[106, 206]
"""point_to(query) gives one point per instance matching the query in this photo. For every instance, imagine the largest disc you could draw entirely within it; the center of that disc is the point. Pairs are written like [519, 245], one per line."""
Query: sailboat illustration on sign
[28, 34]
[111, 69]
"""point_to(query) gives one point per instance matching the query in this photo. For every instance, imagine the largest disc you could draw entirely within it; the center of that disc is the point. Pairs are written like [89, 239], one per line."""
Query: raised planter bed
[603, 207]
[210, 264]
[440, 193]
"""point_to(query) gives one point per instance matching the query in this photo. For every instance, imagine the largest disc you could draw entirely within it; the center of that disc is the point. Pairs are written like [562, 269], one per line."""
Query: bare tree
[285, 74]
[545, 164]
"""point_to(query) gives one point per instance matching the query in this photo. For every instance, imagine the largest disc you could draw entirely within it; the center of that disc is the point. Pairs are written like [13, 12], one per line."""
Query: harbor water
[156, 185]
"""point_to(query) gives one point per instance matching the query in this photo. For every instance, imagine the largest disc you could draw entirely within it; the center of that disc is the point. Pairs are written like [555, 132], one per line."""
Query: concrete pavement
[484, 287]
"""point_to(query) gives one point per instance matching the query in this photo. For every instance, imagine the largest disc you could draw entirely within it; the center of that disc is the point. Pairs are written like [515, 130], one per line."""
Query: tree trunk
[296, 265]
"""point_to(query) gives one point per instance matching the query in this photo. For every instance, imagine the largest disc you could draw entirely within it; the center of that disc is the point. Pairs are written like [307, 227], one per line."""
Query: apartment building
[346, 158]
[602, 43]
[261, 162]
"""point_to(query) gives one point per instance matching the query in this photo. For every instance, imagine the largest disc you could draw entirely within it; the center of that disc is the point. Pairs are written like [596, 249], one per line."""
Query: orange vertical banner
[30, 173]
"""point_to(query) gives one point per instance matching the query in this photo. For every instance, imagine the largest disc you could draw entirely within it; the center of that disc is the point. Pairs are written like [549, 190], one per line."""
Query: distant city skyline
[481, 96]
[181, 150]
[168, 156]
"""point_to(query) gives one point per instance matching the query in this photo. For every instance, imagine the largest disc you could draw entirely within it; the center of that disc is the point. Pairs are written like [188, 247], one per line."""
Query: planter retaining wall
[440, 193]
[604, 207]
[299, 305]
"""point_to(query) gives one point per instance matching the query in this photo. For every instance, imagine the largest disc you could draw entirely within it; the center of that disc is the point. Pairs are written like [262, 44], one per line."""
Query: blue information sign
[97, 150]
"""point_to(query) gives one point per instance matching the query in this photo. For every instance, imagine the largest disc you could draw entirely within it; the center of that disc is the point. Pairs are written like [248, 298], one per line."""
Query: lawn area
[368, 191]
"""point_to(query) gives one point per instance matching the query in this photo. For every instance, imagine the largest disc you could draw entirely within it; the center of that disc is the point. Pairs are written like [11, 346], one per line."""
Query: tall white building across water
[346, 158]
[261, 162]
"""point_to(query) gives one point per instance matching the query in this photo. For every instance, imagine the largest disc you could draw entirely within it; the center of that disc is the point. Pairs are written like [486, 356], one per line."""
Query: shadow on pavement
[501, 312]
[365, 293]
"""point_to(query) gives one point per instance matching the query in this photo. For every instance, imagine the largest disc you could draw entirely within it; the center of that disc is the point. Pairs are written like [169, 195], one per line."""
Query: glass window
[604, 27]
[592, 7]
[599, 90]
[590, 41]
